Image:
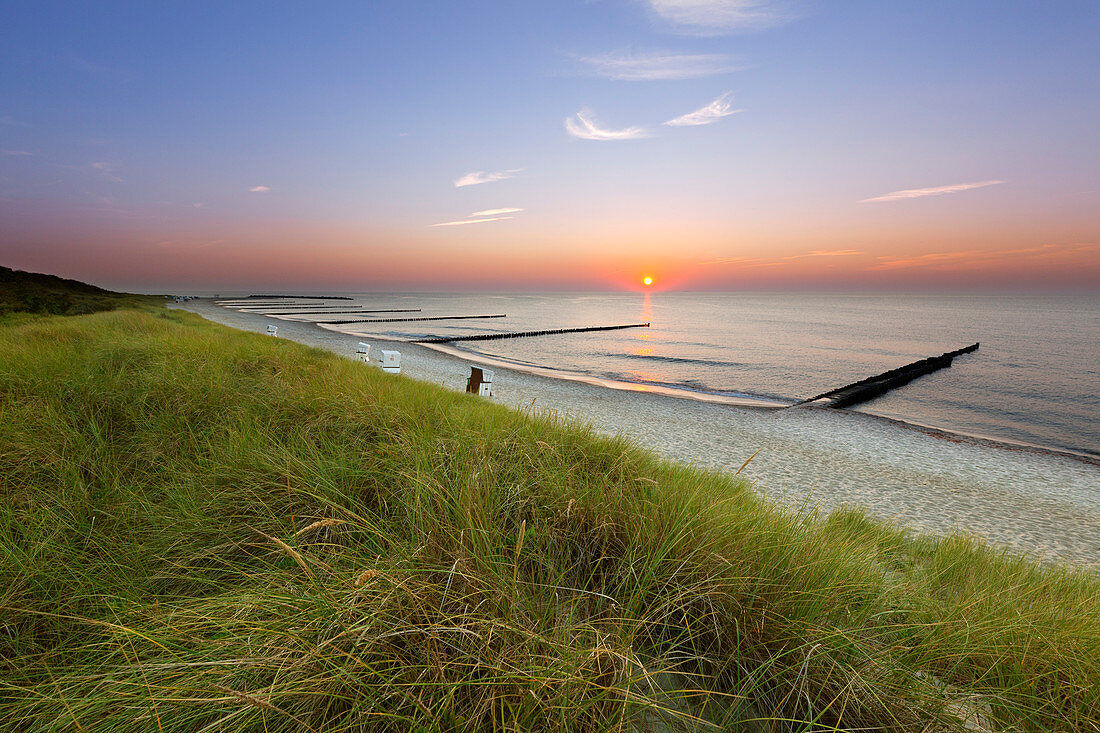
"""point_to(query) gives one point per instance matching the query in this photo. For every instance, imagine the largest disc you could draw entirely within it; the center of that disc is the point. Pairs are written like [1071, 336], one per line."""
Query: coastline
[986, 440]
[747, 401]
[1041, 502]
[752, 403]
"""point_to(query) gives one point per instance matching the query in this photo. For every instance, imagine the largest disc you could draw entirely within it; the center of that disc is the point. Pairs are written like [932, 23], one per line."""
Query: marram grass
[207, 530]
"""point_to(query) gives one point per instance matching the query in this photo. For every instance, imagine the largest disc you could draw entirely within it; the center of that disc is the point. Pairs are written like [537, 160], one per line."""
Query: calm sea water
[1035, 378]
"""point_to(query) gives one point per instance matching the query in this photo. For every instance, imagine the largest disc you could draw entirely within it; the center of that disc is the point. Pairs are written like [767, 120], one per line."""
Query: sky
[565, 145]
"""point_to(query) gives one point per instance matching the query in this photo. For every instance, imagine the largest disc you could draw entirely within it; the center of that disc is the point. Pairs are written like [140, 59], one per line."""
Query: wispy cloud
[471, 221]
[110, 203]
[478, 177]
[761, 262]
[259, 189]
[479, 217]
[715, 17]
[828, 253]
[961, 259]
[705, 115]
[496, 212]
[189, 243]
[14, 152]
[731, 261]
[106, 171]
[657, 65]
[916, 193]
[984, 261]
[96, 68]
[11, 122]
[586, 128]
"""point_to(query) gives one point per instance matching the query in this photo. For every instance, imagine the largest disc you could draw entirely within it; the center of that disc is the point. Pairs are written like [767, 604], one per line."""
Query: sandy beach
[1026, 500]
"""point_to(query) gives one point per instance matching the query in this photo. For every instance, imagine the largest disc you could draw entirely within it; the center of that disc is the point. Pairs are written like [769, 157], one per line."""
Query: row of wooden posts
[480, 380]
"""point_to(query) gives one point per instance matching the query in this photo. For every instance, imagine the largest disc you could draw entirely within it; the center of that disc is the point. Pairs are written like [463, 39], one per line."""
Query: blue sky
[140, 139]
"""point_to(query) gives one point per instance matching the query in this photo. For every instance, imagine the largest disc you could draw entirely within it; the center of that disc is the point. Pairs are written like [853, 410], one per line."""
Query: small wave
[687, 385]
[692, 385]
[675, 359]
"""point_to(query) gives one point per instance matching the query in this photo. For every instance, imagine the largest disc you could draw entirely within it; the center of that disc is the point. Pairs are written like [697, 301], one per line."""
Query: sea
[1034, 380]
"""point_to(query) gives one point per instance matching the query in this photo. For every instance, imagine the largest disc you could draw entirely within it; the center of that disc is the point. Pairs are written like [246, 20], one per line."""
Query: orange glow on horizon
[146, 250]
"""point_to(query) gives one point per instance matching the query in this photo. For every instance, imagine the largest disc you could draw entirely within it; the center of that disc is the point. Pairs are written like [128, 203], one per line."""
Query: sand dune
[1026, 500]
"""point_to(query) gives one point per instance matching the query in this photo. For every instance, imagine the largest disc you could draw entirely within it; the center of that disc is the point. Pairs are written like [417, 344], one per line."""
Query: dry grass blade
[294, 554]
[253, 700]
[654, 596]
[746, 463]
[319, 524]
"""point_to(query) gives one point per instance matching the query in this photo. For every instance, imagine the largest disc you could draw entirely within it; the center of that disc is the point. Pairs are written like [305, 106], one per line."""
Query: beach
[1022, 499]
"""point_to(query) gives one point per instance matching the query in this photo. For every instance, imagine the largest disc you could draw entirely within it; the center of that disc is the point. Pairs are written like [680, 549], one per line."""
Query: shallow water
[1034, 380]
[1027, 500]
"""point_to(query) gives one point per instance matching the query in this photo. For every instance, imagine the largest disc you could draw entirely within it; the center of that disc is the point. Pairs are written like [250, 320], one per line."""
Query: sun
[647, 280]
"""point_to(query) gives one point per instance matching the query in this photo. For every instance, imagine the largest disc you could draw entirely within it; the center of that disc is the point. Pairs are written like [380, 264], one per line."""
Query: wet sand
[1026, 500]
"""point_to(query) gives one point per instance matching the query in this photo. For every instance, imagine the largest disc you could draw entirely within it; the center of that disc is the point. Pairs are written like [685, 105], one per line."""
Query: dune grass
[32, 292]
[203, 529]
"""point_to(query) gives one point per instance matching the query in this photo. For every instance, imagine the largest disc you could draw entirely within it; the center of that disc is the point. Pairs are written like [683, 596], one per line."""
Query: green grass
[30, 292]
[203, 529]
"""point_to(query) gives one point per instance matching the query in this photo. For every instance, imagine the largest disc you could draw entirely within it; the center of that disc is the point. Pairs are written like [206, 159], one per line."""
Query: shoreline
[752, 403]
[1041, 502]
[414, 522]
[986, 440]
[749, 401]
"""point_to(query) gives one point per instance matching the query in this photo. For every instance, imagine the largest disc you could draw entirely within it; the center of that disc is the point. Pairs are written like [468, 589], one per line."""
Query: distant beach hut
[480, 382]
[391, 361]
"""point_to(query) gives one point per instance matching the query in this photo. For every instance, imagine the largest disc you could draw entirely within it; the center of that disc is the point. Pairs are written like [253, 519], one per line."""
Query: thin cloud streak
[716, 17]
[976, 257]
[759, 262]
[259, 189]
[188, 243]
[730, 261]
[471, 221]
[829, 253]
[478, 177]
[657, 66]
[979, 260]
[107, 171]
[707, 114]
[586, 128]
[915, 193]
[495, 212]
[15, 152]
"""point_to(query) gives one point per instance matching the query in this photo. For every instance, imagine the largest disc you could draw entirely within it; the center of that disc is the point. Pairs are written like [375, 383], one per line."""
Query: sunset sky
[574, 144]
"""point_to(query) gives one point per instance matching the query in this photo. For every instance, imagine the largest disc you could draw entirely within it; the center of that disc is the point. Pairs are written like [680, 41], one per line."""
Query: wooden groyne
[330, 312]
[523, 334]
[296, 306]
[254, 304]
[274, 304]
[866, 389]
[424, 318]
[303, 297]
[251, 300]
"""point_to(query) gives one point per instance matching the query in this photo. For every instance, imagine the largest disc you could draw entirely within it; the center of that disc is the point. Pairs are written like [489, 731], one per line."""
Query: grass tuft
[203, 529]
